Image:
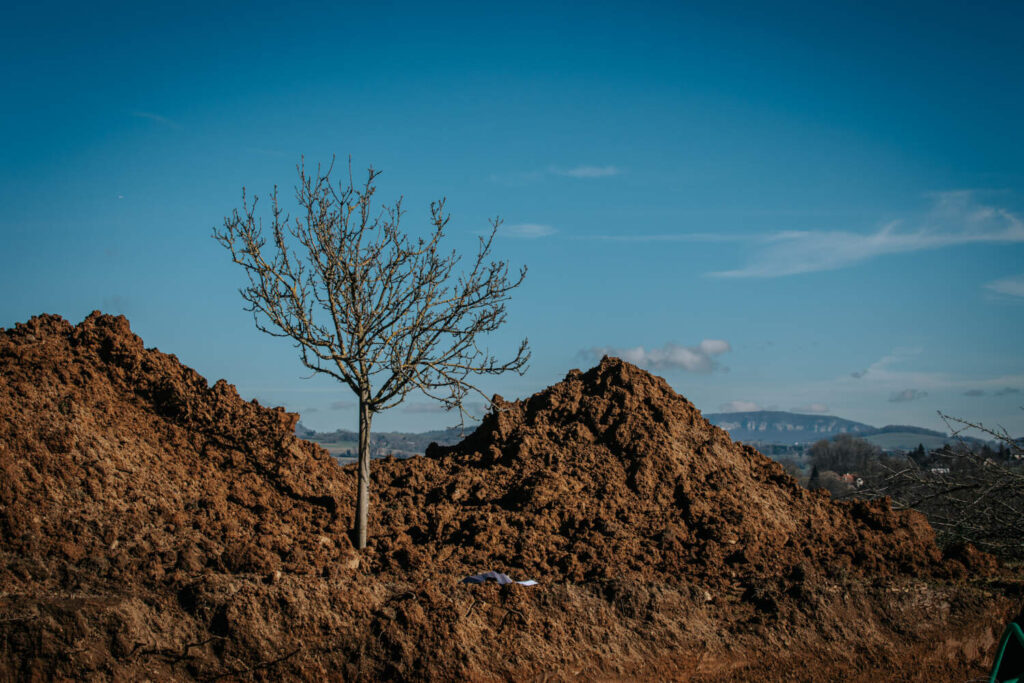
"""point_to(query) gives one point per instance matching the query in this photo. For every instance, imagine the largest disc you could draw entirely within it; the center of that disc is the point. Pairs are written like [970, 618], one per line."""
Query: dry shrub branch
[968, 496]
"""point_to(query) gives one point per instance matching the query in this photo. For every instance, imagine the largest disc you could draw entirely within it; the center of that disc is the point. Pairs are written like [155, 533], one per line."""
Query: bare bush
[967, 494]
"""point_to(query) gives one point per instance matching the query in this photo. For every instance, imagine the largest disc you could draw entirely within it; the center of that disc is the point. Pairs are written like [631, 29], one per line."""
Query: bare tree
[366, 304]
[968, 496]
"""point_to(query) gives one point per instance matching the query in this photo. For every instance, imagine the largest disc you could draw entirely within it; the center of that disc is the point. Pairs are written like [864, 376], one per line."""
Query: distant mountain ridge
[754, 427]
[909, 429]
[777, 426]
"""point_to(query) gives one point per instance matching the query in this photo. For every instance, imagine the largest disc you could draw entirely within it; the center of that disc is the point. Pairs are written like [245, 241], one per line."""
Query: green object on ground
[1009, 666]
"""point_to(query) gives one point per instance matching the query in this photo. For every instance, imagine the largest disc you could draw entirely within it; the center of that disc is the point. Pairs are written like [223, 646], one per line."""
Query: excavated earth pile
[153, 526]
[611, 474]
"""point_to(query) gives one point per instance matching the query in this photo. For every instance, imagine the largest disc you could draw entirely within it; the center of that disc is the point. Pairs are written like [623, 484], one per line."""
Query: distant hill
[344, 444]
[908, 429]
[908, 441]
[765, 427]
[776, 426]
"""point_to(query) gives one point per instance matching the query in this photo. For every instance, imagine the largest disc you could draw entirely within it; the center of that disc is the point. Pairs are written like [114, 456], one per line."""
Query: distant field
[906, 441]
[337, 447]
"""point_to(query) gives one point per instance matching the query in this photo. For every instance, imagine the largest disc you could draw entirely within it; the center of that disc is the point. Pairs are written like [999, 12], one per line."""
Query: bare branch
[969, 491]
[366, 304]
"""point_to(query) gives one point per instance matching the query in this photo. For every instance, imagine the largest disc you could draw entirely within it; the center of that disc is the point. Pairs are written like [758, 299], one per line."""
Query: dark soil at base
[154, 526]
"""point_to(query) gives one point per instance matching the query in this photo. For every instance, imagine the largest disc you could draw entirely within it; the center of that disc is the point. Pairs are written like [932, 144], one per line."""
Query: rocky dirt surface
[154, 526]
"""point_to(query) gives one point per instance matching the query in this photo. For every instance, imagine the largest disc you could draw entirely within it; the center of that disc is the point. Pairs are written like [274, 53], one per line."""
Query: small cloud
[529, 230]
[813, 408]
[586, 171]
[906, 395]
[1006, 391]
[150, 116]
[714, 347]
[1010, 286]
[974, 392]
[342, 405]
[307, 411]
[120, 196]
[739, 407]
[698, 358]
[857, 374]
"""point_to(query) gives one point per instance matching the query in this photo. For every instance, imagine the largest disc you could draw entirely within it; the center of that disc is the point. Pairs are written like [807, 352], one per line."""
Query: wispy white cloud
[906, 395]
[343, 405]
[673, 237]
[1010, 286]
[954, 390]
[739, 407]
[956, 218]
[700, 358]
[580, 172]
[586, 171]
[879, 370]
[528, 230]
[163, 120]
[890, 373]
[813, 408]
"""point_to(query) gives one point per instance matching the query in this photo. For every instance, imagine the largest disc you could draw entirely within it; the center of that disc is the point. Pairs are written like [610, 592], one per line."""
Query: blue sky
[813, 206]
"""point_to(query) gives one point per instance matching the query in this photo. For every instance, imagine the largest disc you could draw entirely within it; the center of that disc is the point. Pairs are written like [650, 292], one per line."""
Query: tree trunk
[363, 495]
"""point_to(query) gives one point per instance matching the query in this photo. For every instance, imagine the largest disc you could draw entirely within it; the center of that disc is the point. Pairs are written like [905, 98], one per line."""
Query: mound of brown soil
[611, 474]
[121, 463]
[153, 526]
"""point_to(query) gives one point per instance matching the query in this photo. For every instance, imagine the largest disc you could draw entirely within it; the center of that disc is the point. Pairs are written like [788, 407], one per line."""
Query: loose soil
[154, 526]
